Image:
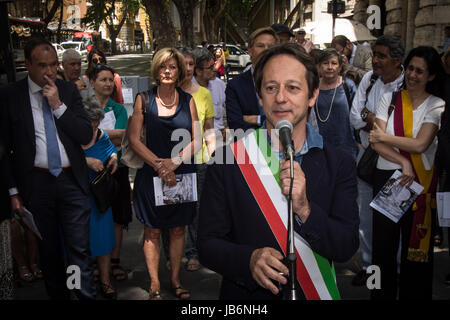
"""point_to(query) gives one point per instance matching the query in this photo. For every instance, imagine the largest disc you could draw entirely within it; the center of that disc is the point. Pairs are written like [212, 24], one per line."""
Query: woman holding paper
[114, 123]
[205, 112]
[170, 115]
[406, 141]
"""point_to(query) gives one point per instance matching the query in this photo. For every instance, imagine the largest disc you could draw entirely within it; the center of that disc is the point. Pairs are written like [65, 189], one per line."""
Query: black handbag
[104, 188]
[368, 162]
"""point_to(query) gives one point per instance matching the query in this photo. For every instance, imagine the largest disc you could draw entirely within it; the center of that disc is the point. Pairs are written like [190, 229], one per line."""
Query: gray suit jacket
[362, 62]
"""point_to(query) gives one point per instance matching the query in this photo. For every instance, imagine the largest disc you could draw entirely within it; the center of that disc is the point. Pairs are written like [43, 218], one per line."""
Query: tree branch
[52, 12]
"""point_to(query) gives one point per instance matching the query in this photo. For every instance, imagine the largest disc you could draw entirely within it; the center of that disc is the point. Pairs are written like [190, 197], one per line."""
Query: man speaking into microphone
[244, 207]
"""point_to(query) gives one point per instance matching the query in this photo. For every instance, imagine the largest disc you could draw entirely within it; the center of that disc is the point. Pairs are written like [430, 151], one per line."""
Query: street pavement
[204, 283]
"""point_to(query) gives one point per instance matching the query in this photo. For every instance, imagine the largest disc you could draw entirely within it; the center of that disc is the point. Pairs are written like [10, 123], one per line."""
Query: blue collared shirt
[313, 140]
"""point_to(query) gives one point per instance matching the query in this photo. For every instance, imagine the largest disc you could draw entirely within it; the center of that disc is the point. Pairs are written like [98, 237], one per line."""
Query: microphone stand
[291, 258]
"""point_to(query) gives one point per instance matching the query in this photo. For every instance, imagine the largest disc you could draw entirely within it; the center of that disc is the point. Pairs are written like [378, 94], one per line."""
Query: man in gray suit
[356, 58]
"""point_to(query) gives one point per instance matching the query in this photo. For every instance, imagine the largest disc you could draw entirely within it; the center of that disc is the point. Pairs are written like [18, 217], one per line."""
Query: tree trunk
[202, 20]
[186, 11]
[162, 26]
[213, 15]
[58, 34]
[114, 32]
[51, 14]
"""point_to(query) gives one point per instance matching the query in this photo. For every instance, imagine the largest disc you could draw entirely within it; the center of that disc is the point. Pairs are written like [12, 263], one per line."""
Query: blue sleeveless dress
[159, 132]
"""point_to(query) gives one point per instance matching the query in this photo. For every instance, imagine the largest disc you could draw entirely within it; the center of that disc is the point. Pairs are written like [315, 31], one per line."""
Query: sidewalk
[204, 283]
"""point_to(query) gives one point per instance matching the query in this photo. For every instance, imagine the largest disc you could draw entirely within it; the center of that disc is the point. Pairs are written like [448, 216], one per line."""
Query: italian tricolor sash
[261, 168]
[419, 242]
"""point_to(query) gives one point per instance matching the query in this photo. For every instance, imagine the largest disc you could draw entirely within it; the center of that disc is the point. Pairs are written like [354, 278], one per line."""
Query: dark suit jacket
[17, 123]
[231, 225]
[241, 100]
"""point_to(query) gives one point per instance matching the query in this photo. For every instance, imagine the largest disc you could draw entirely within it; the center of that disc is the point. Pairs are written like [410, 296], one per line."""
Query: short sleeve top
[428, 112]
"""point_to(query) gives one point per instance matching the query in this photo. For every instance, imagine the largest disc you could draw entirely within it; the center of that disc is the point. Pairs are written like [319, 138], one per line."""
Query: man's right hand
[265, 266]
[16, 205]
[345, 61]
[81, 85]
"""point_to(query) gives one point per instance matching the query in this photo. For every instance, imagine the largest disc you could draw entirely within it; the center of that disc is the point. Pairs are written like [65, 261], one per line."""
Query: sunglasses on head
[103, 67]
[97, 61]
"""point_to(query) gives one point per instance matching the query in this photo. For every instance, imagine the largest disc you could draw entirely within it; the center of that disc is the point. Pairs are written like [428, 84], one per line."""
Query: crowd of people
[61, 129]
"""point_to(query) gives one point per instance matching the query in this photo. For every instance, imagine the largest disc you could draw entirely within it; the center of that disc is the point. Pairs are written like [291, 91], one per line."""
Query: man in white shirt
[387, 76]
[43, 125]
[71, 62]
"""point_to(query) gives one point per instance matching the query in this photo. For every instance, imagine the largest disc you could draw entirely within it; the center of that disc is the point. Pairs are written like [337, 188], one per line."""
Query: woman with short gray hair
[93, 109]
[101, 232]
[331, 110]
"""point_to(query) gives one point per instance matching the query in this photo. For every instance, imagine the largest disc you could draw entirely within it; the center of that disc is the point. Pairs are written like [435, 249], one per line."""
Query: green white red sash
[260, 168]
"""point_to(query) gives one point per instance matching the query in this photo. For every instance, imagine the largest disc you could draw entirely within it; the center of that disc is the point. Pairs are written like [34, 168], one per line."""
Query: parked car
[86, 37]
[78, 46]
[59, 51]
[238, 58]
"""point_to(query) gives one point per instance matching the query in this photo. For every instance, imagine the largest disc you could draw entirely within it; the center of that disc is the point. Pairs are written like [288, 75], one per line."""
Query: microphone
[284, 132]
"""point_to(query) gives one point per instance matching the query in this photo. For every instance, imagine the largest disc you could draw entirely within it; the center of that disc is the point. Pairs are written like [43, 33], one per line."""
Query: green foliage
[240, 9]
[104, 10]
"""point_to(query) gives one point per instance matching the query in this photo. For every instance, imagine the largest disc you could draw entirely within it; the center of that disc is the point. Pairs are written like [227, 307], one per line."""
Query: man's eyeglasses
[96, 61]
[210, 67]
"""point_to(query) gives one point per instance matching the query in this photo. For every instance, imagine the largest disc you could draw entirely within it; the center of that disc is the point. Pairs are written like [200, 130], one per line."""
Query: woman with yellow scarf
[406, 141]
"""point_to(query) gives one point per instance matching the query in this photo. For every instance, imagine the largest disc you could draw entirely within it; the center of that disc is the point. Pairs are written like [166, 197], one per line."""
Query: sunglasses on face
[96, 61]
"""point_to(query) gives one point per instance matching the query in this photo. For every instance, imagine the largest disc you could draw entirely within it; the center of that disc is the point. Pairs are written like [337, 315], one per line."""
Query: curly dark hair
[435, 68]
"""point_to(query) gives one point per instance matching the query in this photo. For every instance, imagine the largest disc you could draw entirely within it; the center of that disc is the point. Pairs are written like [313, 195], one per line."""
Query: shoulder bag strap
[99, 133]
[392, 105]
[347, 93]
[373, 79]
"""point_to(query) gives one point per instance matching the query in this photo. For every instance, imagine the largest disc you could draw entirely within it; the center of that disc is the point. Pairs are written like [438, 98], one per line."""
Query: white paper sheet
[29, 221]
[184, 191]
[394, 200]
[443, 208]
[127, 95]
[108, 122]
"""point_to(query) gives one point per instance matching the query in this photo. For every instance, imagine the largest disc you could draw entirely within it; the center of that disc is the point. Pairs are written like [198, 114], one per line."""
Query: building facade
[417, 22]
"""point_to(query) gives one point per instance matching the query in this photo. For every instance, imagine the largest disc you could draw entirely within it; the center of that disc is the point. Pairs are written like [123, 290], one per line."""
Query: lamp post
[335, 7]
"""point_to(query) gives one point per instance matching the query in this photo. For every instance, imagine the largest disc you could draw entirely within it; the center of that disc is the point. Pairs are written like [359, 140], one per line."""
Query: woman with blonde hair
[219, 64]
[169, 108]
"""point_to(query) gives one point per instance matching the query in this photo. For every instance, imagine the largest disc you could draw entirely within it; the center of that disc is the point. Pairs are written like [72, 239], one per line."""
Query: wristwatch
[364, 114]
